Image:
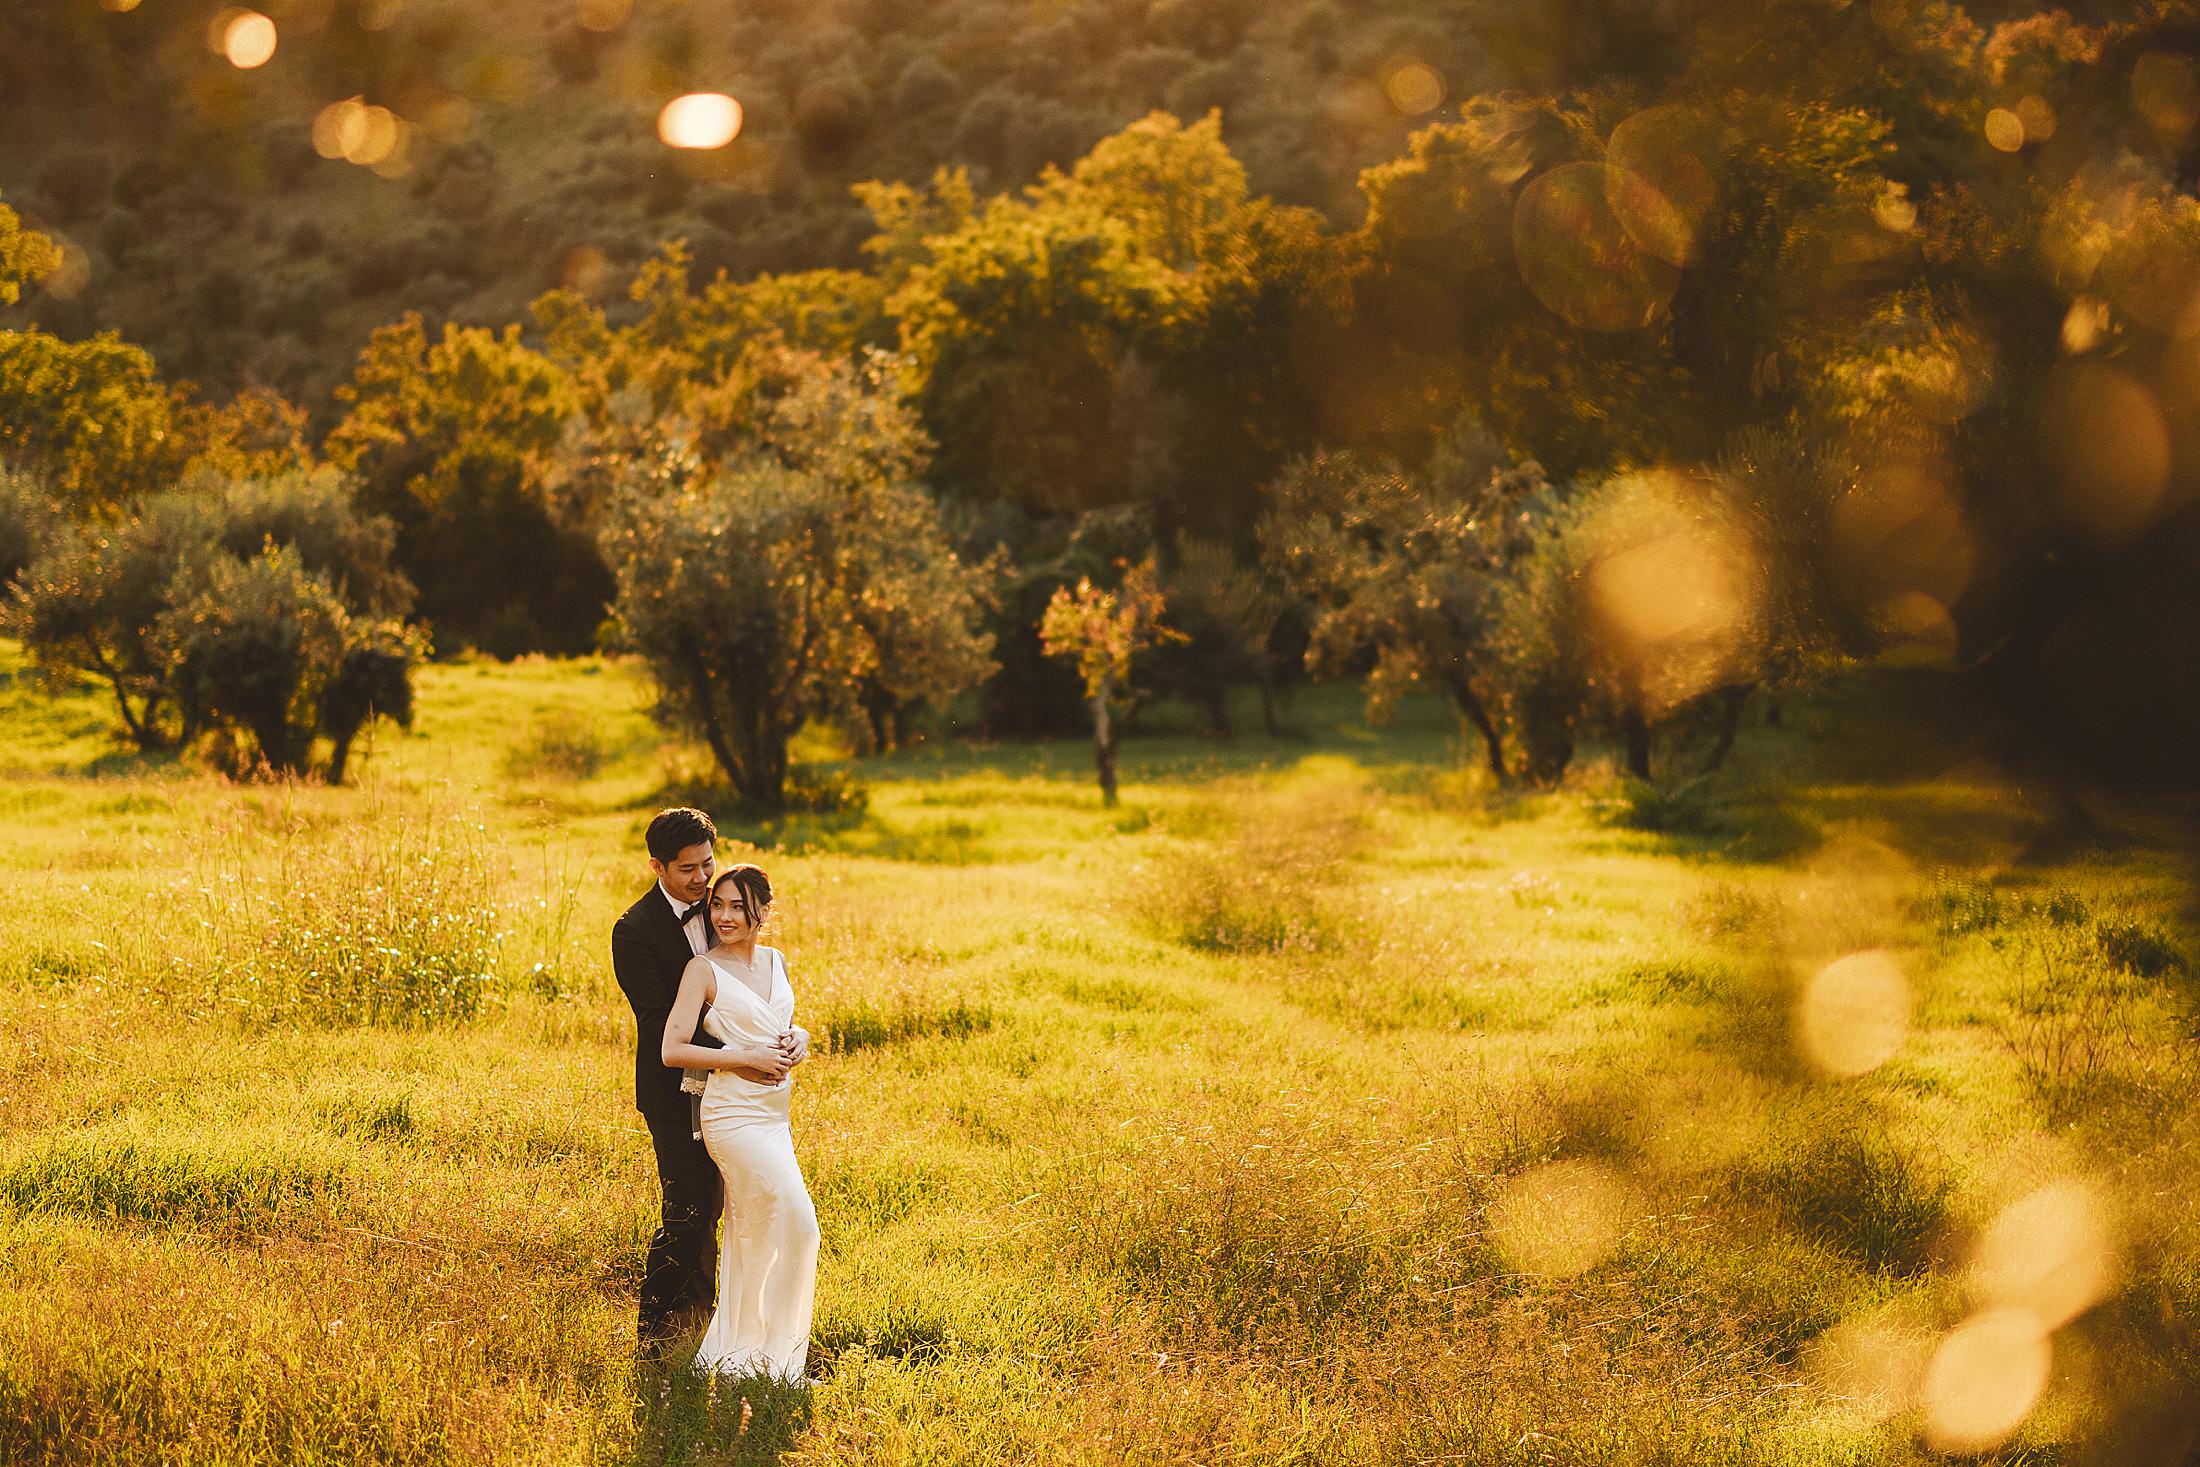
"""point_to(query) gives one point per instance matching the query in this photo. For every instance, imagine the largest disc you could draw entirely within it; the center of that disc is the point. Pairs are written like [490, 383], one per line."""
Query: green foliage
[1060, 345]
[26, 256]
[787, 587]
[394, 924]
[372, 679]
[870, 1026]
[251, 648]
[28, 520]
[1411, 574]
[90, 604]
[1860, 1191]
[112, 1178]
[91, 417]
[265, 609]
[1269, 881]
[2140, 947]
[451, 442]
[1690, 807]
[562, 744]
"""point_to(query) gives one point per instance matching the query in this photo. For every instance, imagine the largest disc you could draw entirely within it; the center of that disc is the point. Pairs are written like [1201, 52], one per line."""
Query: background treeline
[1732, 344]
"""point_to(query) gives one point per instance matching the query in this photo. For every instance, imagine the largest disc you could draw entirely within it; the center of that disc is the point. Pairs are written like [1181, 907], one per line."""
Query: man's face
[687, 875]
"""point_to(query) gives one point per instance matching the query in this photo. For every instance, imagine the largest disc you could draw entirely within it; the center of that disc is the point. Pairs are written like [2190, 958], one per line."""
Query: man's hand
[795, 1045]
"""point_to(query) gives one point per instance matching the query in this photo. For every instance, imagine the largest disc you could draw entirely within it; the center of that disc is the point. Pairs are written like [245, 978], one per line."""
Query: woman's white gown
[767, 1263]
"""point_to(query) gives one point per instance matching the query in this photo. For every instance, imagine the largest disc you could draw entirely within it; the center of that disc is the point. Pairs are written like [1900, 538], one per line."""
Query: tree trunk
[1105, 733]
[338, 755]
[1470, 708]
[1730, 724]
[1635, 729]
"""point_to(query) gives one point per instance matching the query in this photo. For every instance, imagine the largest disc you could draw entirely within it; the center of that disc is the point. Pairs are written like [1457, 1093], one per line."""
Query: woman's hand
[766, 1064]
[795, 1044]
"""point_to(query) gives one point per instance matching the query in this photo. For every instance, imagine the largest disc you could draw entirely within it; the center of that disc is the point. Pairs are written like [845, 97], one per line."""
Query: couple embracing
[715, 1046]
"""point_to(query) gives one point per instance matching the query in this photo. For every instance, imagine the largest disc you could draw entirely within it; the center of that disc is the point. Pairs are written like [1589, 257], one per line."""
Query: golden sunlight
[1577, 254]
[1854, 1014]
[1984, 1380]
[245, 37]
[2052, 1252]
[700, 120]
[1561, 1219]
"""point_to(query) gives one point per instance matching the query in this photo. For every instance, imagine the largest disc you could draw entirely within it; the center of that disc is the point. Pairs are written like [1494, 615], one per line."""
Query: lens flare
[2084, 324]
[244, 38]
[2166, 91]
[1561, 1219]
[2052, 1252]
[2037, 116]
[605, 15]
[1666, 183]
[1578, 258]
[1897, 529]
[2005, 130]
[1871, 1366]
[361, 132]
[587, 270]
[1916, 630]
[1672, 600]
[120, 7]
[71, 275]
[1984, 1380]
[700, 120]
[2107, 443]
[1413, 87]
[1894, 211]
[1853, 1014]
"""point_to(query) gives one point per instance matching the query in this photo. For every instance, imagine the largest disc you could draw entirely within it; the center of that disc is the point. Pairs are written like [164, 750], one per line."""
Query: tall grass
[393, 918]
[1269, 869]
[1219, 1134]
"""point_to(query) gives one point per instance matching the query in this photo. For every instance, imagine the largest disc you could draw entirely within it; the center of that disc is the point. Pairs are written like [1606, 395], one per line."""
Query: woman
[767, 1263]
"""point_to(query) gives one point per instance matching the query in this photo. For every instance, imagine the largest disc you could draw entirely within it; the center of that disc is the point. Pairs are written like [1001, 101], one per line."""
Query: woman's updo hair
[755, 888]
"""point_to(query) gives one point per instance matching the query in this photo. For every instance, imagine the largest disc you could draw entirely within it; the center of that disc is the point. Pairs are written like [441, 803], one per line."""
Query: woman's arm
[765, 1065]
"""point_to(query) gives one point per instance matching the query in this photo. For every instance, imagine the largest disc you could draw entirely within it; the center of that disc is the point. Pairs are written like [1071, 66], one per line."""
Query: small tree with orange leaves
[1102, 631]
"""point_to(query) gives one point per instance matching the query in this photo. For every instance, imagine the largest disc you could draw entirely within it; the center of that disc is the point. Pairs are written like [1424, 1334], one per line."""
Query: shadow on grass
[685, 1418]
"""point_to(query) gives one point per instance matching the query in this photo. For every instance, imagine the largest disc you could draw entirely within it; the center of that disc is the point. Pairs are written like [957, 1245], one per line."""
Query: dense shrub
[1848, 1184]
[27, 521]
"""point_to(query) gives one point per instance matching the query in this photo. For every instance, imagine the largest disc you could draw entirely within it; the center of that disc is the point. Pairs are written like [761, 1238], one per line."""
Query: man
[650, 946]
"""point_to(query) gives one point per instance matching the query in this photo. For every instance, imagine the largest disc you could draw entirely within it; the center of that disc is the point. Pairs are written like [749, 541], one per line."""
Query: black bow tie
[689, 914]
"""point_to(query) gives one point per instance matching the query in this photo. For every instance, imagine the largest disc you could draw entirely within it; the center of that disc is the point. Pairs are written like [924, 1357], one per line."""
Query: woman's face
[729, 913]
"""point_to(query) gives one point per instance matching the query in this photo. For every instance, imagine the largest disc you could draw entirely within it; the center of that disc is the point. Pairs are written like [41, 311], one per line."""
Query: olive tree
[766, 595]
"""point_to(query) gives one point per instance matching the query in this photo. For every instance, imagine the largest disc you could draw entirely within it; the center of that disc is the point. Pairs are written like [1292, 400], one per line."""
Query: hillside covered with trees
[1595, 365]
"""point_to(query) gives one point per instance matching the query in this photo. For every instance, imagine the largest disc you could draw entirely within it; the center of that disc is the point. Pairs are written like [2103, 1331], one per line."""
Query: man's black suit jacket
[648, 954]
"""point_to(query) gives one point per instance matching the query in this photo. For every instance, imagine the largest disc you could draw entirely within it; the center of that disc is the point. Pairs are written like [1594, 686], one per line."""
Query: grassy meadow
[1318, 1105]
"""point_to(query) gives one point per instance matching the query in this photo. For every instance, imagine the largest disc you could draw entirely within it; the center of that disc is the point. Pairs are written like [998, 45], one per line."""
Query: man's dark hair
[673, 831]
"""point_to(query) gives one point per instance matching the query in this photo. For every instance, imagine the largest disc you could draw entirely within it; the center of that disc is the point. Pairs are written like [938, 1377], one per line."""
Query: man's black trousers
[680, 1276]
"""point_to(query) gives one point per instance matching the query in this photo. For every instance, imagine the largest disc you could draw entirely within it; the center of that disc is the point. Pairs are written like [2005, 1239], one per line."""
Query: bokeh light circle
[2052, 1252]
[700, 120]
[1853, 1014]
[1666, 181]
[1984, 1380]
[2107, 443]
[1579, 259]
[605, 15]
[245, 38]
[2004, 131]
[1561, 1219]
[1871, 1366]
[1413, 87]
